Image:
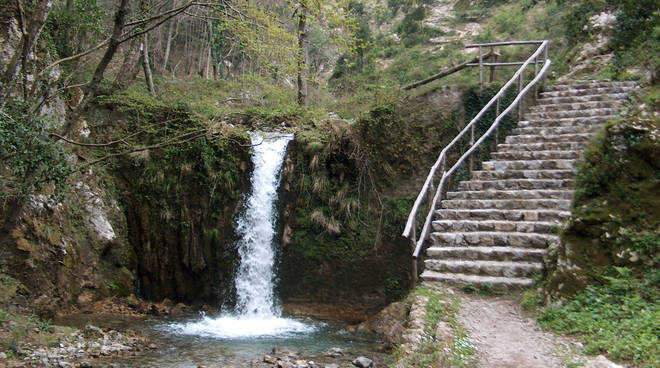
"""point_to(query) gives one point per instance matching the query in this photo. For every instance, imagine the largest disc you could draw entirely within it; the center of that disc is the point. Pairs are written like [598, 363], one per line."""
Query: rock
[443, 332]
[269, 359]
[279, 350]
[300, 364]
[335, 353]
[94, 332]
[284, 364]
[333, 365]
[152, 346]
[363, 362]
[600, 362]
[3, 355]
[388, 322]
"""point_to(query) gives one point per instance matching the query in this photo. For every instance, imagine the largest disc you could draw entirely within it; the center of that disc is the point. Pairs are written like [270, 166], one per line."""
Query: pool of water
[194, 341]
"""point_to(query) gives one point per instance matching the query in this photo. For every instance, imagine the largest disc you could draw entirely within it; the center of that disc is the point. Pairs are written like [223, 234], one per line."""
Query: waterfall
[256, 313]
[256, 228]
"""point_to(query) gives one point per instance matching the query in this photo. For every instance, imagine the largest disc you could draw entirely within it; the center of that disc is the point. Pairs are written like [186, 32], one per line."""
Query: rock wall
[616, 214]
[180, 205]
[66, 252]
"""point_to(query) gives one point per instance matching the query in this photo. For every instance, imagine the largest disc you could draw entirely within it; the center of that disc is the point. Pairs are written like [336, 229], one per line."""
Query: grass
[618, 318]
[436, 350]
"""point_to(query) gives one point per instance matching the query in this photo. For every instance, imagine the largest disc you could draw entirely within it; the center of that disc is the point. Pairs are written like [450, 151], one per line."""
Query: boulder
[363, 362]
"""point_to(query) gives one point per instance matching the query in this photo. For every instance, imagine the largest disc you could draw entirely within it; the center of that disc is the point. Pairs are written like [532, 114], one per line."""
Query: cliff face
[179, 206]
[616, 214]
[67, 253]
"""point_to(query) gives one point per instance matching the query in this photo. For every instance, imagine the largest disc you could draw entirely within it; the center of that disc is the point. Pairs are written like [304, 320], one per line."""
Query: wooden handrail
[409, 231]
[505, 43]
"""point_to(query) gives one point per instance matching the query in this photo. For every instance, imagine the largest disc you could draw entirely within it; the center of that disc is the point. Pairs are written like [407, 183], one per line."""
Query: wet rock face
[180, 219]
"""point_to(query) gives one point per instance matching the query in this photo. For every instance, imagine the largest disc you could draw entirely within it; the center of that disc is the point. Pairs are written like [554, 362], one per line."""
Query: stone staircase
[495, 230]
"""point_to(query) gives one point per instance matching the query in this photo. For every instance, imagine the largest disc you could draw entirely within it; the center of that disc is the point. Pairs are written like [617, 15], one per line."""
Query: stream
[255, 324]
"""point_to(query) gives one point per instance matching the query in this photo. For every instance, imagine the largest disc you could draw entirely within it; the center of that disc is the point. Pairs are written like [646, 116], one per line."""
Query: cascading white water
[256, 228]
[255, 313]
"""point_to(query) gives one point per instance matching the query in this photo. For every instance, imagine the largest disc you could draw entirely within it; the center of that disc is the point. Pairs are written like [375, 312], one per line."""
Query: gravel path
[505, 338]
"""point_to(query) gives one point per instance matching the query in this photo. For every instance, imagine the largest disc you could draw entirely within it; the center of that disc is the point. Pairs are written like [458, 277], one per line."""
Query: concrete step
[585, 92]
[485, 268]
[508, 204]
[494, 239]
[523, 174]
[576, 105]
[548, 215]
[589, 85]
[586, 120]
[530, 165]
[570, 113]
[574, 138]
[557, 130]
[536, 155]
[490, 282]
[585, 98]
[511, 194]
[515, 184]
[493, 225]
[487, 253]
[543, 146]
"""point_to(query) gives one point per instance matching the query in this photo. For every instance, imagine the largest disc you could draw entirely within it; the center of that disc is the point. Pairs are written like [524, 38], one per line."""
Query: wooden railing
[440, 164]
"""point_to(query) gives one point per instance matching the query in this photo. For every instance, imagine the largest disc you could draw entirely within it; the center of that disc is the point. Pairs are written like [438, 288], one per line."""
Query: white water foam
[256, 314]
[231, 327]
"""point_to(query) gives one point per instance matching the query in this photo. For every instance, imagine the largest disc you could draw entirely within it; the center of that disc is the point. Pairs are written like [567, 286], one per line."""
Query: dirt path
[505, 338]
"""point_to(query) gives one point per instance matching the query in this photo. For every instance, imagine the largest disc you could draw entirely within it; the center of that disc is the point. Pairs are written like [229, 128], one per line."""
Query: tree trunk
[93, 86]
[130, 66]
[28, 40]
[145, 65]
[168, 46]
[303, 58]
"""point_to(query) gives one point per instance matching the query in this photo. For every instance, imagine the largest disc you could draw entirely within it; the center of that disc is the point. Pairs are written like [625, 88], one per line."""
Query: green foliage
[70, 28]
[412, 30]
[618, 317]
[32, 159]
[440, 350]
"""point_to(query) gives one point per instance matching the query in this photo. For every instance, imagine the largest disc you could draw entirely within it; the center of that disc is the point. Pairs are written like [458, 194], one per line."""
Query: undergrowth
[436, 349]
[618, 318]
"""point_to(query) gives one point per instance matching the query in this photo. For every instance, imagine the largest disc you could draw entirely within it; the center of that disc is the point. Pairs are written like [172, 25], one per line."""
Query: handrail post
[520, 83]
[471, 143]
[492, 67]
[497, 128]
[481, 69]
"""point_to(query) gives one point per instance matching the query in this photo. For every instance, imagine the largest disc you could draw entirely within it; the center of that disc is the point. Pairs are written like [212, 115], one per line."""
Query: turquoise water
[177, 348]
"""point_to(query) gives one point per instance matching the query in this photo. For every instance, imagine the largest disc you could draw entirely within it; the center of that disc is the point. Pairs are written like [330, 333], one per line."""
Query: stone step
[571, 113]
[575, 105]
[567, 121]
[589, 84]
[585, 92]
[569, 164]
[555, 138]
[543, 146]
[511, 194]
[523, 174]
[536, 155]
[485, 268]
[557, 130]
[494, 239]
[491, 282]
[487, 253]
[585, 98]
[508, 204]
[548, 215]
[515, 184]
[492, 225]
